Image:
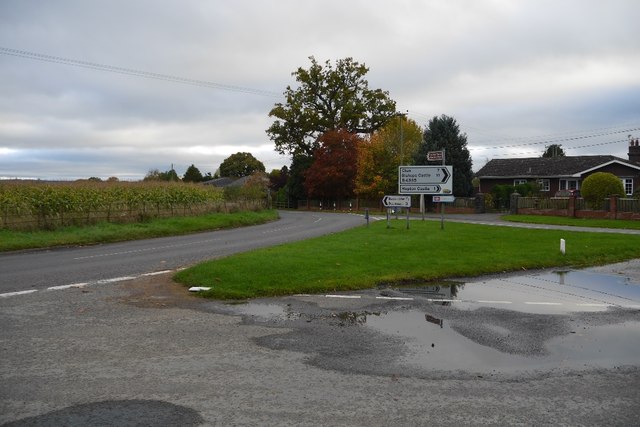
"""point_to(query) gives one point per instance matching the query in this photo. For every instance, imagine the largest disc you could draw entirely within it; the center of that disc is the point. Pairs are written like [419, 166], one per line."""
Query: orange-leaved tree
[393, 145]
[333, 171]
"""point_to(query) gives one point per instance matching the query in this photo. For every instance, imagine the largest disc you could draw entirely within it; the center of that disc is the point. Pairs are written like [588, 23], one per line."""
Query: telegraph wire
[506, 155]
[134, 72]
[553, 141]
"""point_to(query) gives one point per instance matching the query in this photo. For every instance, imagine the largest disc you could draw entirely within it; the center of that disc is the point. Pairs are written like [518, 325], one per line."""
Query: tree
[379, 157]
[156, 175]
[328, 98]
[192, 174]
[333, 171]
[554, 150]
[596, 187]
[278, 178]
[443, 133]
[240, 164]
[295, 184]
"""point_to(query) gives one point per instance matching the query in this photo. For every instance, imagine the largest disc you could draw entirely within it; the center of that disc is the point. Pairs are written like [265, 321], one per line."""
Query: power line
[553, 141]
[569, 148]
[134, 72]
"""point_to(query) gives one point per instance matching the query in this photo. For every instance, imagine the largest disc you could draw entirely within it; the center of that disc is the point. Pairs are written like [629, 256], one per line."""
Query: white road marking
[494, 302]
[396, 298]
[73, 285]
[344, 296]
[83, 284]
[593, 305]
[10, 294]
[155, 273]
[198, 288]
[542, 303]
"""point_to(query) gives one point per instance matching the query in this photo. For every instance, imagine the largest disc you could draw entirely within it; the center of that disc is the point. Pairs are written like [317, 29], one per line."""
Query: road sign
[444, 199]
[397, 201]
[425, 179]
[435, 156]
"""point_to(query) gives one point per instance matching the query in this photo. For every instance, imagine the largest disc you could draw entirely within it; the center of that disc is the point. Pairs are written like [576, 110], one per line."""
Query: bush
[600, 185]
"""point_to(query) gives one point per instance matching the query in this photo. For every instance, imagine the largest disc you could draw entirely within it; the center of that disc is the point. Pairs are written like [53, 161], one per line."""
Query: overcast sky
[516, 75]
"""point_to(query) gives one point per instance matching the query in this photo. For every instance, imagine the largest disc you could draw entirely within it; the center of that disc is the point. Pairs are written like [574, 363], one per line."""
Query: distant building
[561, 174]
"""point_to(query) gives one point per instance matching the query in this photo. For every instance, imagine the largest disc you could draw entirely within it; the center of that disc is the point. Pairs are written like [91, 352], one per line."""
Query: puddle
[559, 292]
[273, 312]
[502, 325]
[433, 344]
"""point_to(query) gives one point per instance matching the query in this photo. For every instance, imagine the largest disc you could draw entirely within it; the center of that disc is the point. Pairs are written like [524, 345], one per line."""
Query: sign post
[433, 180]
[425, 180]
[397, 202]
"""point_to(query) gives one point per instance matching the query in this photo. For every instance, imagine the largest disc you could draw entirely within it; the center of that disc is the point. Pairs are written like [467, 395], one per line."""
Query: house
[227, 181]
[554, 174]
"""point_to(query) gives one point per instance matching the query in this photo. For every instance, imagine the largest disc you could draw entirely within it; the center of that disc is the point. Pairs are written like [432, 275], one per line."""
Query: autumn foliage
[333, 171]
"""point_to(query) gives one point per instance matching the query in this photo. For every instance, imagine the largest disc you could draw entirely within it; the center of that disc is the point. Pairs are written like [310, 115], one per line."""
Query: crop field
[47, 206]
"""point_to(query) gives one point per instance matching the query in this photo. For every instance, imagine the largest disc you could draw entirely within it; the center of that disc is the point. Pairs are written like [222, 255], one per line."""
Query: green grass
[365, 257]
[577, 222]
[109, 232]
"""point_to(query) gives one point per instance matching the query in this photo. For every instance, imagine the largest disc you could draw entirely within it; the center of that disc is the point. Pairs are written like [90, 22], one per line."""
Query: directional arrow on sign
[445, 171]
[397, 201]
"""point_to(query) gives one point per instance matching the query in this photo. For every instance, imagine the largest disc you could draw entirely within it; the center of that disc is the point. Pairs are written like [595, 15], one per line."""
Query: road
[557, 348]
[41, 269]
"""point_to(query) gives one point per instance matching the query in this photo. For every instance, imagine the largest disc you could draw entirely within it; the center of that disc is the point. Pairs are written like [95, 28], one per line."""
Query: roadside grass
[365, 257]
[577, 222]
[105, 232]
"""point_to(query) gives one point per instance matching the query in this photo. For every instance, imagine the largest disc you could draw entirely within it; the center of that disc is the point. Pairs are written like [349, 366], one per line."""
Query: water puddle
[506, 324]
[555, 292]
[434, 344]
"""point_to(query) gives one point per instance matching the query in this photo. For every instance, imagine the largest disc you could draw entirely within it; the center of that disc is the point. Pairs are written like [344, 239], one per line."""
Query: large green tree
[240, 164]
[192, 174]
[443, 133]
[327, 98]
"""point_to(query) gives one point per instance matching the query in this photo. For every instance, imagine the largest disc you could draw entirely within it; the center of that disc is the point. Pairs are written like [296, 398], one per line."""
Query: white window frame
[565, 184]
[627, 183]
[519, 182]
[545, 184]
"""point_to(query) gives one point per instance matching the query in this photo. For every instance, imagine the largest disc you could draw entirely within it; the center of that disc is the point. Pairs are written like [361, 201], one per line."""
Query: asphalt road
[41, 269]
[560, 351]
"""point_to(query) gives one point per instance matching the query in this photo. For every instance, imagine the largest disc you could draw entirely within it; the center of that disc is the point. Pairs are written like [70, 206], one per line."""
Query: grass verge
[109, 232]
[576, 222]
[365, 257]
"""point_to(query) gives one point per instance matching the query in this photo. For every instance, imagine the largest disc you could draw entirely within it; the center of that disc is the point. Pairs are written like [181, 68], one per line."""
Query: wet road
[540, 348]
[544, 348]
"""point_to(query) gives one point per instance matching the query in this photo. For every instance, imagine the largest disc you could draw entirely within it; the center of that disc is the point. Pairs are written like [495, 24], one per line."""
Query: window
[628, 185]
[569, 184]
[519, 181]
[544, 185]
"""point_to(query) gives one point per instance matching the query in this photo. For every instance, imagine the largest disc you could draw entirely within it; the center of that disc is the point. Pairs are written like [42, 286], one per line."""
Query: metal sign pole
[442, 204]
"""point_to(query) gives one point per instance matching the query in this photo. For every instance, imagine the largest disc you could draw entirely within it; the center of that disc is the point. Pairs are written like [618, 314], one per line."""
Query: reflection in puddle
[555, 292]
[443, 348]
[552, 320]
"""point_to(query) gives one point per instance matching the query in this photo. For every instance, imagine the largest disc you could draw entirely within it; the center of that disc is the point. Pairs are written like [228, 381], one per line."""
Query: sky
[121, 87]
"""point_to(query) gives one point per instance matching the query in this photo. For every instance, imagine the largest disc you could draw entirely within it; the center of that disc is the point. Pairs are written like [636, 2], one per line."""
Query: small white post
[563, 247]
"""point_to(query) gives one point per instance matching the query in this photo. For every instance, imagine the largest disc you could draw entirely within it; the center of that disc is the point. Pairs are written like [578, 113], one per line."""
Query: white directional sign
[444, 199]
[397, 201]
[425, 179]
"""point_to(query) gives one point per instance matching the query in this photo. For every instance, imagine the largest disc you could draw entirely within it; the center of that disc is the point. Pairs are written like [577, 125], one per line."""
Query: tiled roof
[538, 167]
[227, 181]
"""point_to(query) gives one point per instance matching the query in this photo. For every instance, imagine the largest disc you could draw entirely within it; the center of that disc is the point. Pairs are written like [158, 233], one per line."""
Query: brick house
[554, 174]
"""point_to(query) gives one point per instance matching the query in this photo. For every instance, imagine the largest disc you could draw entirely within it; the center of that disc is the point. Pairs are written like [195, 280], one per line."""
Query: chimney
[634, 151]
